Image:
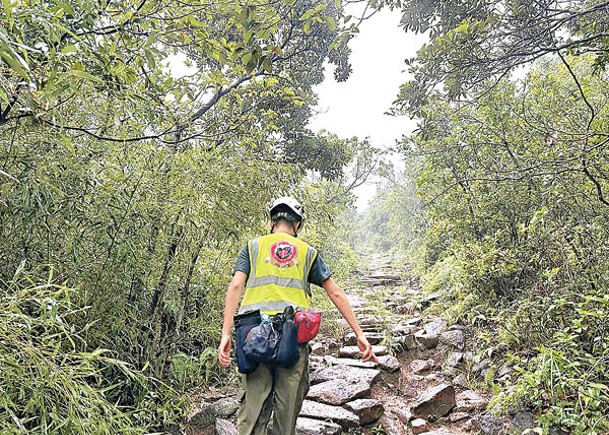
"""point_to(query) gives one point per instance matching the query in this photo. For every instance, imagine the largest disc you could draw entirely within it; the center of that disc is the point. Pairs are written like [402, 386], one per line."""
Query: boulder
[419, 366]
[226, 427]
[460, 380]
[401, 329]
[207, 413]
[523, 420]
[504, 374]
[337, 414]
[415, 321]
[454, 359]
[338, 391]
[426, 302]
[309, 426]
[435, 327]
[435, 402]
[403, 414]
[368, 410]
[481, 367]
[392, 425]
[407, 342]
[489, 424]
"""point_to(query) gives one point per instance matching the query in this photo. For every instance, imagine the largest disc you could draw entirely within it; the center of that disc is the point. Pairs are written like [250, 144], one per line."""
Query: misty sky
[356, 107]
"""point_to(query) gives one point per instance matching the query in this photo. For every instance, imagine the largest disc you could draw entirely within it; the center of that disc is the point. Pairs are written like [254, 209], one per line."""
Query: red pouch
[307, 323]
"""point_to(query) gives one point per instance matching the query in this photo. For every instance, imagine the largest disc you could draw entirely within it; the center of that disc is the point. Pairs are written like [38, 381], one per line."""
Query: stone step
[310, 426]
[368, 410]
[347, 373]
[331, 360]
[372, 337]
[338, 391]
[337, 414]
[353, 351]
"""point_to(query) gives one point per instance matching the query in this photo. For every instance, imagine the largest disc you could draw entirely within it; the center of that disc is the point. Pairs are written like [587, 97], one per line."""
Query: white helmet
[291, 204]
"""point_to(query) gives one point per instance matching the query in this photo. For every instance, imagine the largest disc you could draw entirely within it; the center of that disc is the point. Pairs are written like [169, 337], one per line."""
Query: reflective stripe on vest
[279, 270]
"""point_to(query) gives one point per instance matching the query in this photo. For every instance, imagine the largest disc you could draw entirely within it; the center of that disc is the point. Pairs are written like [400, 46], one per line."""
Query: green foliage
[567, 375]
[187, 370]
[50, 382]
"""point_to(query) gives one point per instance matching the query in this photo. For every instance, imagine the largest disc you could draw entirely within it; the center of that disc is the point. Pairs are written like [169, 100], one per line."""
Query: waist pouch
[261, 343]
[307, 324]
[244, 323]
[273, 342]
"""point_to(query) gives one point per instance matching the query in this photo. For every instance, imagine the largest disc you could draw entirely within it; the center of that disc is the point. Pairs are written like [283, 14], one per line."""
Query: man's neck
[284, 229]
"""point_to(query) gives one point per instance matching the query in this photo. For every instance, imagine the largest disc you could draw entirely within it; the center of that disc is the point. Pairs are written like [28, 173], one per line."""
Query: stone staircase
[418, 386]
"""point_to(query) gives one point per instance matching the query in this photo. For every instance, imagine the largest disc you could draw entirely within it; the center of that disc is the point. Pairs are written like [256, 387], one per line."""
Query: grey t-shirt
[318, 274]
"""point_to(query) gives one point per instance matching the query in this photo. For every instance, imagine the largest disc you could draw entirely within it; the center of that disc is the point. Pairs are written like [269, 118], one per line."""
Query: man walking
[276, 271]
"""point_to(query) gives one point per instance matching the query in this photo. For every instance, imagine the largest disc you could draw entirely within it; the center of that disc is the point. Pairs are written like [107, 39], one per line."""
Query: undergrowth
[51, 382]
[555, 337]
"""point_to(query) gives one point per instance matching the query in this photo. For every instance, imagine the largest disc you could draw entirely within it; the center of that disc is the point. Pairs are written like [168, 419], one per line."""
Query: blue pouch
[261, 344]
[287, 352]
[243, 324]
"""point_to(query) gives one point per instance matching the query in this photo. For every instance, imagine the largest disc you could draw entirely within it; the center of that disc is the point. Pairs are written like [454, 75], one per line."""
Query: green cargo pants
[275, 389]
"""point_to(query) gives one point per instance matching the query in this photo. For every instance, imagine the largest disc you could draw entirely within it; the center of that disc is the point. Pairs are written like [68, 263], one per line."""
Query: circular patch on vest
[283, 254]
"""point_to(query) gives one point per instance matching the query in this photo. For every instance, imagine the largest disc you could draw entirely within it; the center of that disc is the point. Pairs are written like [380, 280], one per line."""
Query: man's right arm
[233, 294]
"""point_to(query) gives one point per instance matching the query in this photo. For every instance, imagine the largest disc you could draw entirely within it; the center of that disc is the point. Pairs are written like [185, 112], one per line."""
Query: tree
[472, 42]
[119, 53]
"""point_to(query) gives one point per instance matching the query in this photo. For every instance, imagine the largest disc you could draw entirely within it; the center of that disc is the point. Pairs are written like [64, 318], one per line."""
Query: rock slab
[469, 400]
[349, 362]
[489, 424]
[453, 338]
[353, 351]
[419, 425]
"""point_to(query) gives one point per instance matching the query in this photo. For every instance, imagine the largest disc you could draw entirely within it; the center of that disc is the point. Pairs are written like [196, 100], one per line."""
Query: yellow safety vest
[279, 271]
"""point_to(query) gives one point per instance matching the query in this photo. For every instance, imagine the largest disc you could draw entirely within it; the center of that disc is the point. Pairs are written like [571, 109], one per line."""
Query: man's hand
[224, 351]
[366, 349]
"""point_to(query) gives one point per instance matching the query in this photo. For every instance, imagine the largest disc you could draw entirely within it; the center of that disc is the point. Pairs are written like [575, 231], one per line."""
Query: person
[276, 270]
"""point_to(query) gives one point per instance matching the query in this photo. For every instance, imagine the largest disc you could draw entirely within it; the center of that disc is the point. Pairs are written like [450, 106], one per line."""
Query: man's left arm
[339, 298]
